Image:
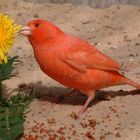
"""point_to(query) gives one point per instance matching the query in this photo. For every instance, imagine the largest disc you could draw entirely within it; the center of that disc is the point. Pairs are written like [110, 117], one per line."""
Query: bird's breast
[53, 66]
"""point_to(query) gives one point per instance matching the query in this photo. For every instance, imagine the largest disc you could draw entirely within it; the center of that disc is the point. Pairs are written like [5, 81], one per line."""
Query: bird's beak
[26, 31]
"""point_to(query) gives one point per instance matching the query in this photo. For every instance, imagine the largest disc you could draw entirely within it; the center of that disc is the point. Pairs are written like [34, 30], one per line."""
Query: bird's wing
[83, 56]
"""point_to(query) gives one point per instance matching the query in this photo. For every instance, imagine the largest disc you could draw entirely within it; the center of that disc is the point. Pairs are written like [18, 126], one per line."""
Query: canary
[72, 61]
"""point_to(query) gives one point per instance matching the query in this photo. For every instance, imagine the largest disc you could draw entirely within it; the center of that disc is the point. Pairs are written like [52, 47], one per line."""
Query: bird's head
[39, 31]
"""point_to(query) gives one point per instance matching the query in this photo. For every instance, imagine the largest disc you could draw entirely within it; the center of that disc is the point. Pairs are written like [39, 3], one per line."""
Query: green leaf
[6, 69]
[12, 110]
[12, 133]
[11, 116]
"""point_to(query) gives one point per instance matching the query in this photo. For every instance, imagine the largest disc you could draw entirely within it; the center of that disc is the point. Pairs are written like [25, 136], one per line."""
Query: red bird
[71, 61]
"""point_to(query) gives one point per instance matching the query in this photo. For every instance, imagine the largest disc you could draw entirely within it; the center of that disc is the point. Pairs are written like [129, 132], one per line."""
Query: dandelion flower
[8, 31]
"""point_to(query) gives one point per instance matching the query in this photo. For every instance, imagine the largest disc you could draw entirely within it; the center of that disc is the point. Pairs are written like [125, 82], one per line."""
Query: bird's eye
[37, 24]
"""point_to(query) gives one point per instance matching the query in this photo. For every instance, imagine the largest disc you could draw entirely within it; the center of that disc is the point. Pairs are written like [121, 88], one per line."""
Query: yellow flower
[8, 31]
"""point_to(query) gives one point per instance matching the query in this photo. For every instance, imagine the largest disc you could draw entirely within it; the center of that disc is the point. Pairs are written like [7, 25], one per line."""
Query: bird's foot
[84, 107]
[80, 112]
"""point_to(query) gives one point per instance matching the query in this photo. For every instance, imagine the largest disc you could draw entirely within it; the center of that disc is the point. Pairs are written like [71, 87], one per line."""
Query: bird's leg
[90, 98]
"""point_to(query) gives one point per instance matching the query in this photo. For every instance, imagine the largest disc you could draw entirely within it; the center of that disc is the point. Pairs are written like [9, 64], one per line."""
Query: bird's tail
[131, 83]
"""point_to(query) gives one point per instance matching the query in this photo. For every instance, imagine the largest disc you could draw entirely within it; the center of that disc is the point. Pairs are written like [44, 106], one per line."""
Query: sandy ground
[116, 32]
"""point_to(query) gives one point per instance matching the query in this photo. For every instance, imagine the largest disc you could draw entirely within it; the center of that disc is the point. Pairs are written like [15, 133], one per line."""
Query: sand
[116, 32]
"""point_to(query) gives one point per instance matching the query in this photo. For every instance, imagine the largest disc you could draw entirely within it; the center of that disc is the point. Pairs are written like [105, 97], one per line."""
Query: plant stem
[1, 97]
[0, 89]
[0, 84]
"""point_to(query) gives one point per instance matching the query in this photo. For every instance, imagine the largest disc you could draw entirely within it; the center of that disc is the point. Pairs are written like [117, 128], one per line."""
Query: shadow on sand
[61, 94]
